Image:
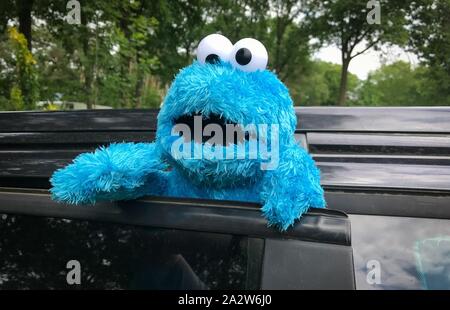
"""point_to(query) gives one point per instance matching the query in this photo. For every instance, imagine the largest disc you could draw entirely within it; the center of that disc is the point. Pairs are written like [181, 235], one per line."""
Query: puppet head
[228, 86]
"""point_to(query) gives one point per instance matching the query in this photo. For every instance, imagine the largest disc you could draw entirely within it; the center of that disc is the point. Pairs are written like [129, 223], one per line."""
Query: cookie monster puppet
[227, 85]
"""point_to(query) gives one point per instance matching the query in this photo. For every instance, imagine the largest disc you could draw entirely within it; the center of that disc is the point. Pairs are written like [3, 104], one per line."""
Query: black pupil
[243, 56]
[212, 59]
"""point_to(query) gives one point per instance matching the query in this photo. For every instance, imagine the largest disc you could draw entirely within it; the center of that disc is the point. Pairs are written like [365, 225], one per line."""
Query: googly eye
[249, 55]
[214, 48]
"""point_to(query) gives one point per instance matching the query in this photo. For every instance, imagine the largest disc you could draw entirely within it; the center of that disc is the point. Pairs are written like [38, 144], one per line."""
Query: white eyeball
[213, 48]
[249, 55]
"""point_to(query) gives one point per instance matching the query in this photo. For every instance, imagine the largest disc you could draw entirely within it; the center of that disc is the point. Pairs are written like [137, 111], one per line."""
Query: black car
[386, 172]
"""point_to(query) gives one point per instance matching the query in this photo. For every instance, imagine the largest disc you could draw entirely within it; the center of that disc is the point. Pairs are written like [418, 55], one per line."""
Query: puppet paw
[285, 209]
[118, 172]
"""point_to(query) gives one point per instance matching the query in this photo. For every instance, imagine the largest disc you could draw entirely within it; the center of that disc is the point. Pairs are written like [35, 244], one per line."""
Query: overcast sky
[369, 61]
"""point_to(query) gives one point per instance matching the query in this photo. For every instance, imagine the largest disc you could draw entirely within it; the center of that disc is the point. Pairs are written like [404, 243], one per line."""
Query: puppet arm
[292, 188]
[120, 171]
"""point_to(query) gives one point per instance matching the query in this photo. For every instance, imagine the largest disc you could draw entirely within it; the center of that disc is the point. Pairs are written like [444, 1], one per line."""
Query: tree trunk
[88, 88]
[140, 76]
[138, 92]
[87, 65]
[343, 85]
[24, 14]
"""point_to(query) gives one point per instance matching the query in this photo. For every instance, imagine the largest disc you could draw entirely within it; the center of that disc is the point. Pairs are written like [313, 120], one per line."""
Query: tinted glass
[401, 252]
[40, 252]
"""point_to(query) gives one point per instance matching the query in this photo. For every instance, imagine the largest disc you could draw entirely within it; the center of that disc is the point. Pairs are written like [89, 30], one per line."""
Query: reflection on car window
[34, 253]
[401, 252]
[433, 262]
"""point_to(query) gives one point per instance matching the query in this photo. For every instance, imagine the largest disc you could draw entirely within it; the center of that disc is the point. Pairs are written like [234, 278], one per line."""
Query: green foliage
[281, 32]
[430, 39]
[399, 84]
[16, 102]
[22, 81]
[109, 57]
[133, 63]
[344, 24]
[321, 84]
[124, 54]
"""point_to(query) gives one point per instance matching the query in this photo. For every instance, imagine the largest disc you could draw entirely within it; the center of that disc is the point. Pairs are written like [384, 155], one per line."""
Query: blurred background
[59, 54]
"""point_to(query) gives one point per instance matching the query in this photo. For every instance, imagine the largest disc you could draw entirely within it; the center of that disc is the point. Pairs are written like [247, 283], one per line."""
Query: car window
[39, 252]
[401, 252]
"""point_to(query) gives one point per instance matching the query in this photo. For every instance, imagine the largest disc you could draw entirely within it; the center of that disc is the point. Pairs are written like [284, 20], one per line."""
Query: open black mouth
[230, 132]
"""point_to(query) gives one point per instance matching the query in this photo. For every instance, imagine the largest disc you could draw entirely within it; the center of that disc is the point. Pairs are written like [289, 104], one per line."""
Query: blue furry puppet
[225, 131]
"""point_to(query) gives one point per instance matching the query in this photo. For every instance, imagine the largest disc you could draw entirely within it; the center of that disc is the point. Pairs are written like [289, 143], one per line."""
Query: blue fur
[130, 170]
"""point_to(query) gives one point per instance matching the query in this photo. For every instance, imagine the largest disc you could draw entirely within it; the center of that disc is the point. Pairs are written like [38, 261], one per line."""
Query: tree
[344, 23]
[399, 84]
[24, 8]
[79, 42]
[124, 54]
[109, 50]
[132, 32]
[319, 85]
[430, 38]
[275, 23]
[20, 9]
[7, 9]
[21, 84]
[181, 24]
